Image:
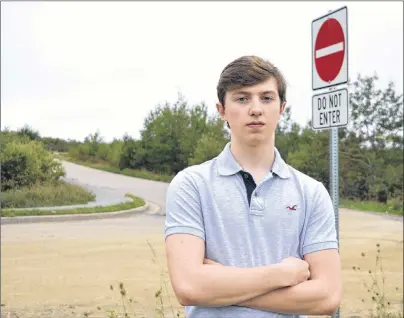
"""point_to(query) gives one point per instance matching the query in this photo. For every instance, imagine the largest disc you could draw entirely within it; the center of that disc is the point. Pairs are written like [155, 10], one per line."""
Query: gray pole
[334, 186]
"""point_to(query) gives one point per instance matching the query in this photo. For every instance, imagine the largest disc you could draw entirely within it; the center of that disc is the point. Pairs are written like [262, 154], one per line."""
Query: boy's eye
[268, 98]
[242, 99]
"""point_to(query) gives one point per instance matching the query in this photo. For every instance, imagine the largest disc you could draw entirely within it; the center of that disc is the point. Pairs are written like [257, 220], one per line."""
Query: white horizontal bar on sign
[330, 49]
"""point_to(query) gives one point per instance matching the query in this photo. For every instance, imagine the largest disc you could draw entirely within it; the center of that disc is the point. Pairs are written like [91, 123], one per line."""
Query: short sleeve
[321, 231]
[183, 207]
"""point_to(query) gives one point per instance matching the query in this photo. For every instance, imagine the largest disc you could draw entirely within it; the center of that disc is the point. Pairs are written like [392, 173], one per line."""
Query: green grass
[371, 206]
[49, 194]
[142, 174]
[135, 203]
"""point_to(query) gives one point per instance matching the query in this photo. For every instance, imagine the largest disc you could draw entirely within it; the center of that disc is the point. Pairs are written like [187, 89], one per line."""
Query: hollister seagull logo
[292, 208]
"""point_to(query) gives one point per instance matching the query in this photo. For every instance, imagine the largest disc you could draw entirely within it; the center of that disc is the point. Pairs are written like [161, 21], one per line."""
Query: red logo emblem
[292, 208]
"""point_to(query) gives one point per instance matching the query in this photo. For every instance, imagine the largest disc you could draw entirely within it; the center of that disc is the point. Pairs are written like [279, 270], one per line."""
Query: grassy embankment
[56, 194]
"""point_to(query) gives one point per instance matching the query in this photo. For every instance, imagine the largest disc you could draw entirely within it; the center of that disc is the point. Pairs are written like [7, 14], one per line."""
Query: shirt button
[246, 176]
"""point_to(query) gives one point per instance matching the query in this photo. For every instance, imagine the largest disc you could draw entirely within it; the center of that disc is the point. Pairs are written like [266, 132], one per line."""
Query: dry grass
[66, 277]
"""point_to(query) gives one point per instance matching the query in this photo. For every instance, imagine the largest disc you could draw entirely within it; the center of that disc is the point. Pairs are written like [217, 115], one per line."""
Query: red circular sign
[329, 50]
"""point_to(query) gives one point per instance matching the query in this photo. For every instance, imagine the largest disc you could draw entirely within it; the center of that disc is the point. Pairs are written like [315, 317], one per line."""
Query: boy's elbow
[184, 296]
[331, 303]
[188, 296]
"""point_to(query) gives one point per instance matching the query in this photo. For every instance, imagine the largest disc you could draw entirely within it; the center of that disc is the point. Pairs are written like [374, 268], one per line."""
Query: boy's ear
[220, 110]
[283, 106]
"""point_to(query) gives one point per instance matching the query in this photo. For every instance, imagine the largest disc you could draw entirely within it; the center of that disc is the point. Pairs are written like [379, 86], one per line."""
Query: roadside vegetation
[135, 202]
[175, 136]
[32, 177]
[54, 193]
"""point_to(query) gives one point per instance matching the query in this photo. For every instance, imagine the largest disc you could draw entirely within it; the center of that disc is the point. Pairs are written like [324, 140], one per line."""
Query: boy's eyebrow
[269, 92]
[248, 93]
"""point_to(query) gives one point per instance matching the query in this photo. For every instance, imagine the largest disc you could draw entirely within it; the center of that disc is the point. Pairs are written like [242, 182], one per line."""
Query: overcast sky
[105, 65]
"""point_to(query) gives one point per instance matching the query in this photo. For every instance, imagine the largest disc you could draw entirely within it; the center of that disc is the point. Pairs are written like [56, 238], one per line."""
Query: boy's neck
[258, 157]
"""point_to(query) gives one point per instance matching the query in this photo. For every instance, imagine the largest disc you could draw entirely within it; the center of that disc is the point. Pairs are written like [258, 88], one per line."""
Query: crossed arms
[282, 288]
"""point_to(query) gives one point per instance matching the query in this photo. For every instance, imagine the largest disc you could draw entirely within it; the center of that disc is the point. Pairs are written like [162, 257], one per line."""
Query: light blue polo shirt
[290, 214]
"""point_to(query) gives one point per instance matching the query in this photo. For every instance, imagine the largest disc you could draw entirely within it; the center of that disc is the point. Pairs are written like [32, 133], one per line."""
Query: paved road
[111, 188]
[108, 187]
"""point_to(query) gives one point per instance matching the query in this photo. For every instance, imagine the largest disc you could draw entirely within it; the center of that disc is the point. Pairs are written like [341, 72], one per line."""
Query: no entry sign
[330, 50]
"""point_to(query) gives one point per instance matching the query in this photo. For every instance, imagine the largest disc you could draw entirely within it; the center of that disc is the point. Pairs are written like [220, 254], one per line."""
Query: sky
[69, 69]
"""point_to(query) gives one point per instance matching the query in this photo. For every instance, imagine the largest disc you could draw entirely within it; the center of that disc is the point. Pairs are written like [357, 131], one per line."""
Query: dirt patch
[66, 269]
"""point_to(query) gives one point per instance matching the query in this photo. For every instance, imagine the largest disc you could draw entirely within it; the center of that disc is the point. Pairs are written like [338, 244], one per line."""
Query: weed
[126, 308]
[381, 307]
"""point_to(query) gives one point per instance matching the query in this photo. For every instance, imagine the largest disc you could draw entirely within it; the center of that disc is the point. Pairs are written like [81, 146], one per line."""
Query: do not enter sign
[330, 50]
[330, 54]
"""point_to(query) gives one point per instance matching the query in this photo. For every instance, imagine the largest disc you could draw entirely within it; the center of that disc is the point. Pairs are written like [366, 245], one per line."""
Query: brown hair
[247, 71]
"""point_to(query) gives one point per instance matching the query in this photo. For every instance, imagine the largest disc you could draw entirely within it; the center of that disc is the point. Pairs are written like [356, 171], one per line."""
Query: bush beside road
[33, 183]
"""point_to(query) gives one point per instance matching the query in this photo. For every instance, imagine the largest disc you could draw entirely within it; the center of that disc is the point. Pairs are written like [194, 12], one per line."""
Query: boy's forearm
[311, 297]
[213, 286]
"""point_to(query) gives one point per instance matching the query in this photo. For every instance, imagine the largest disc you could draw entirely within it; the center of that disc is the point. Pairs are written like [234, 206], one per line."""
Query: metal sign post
[334, 172]
[334, 186]
[330, 71]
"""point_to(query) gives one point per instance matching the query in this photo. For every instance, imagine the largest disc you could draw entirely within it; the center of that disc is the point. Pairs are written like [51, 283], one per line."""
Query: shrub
[25, 163]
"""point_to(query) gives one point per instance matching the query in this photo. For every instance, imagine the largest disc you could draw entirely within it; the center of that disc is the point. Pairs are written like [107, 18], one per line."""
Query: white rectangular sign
[329, 46]
[330, 109]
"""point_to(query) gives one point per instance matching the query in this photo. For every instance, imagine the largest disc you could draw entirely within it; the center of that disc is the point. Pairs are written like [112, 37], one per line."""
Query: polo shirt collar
[280, 167]
[227, 164]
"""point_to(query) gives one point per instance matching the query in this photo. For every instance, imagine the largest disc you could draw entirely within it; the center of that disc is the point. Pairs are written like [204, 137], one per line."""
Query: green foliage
[58, 144]
[132, 155]
[311, 155]
[376, 115]
[55, 193]
[393, 206]
[123, 206]
[94, 149]
[171, 134]
[177, 135]
[25, 162]
[207, 147]
[29, 132]
[172, 137]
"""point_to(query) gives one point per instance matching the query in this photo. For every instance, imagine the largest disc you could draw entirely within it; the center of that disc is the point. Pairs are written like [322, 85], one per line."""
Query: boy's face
[253, 112]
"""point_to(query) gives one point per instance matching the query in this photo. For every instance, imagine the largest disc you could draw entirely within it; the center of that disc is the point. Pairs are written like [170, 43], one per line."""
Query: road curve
[112, 183]
[107, 184]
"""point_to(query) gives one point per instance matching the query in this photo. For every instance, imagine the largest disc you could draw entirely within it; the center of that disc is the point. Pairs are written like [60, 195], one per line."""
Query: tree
[93, 141]
[171, 133]
[25, 163]
[28, 131]
[211, 143]
[376, 115]
[132, 154]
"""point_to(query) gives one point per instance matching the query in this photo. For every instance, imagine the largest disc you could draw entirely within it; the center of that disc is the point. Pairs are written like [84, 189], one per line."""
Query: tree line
[177, 135]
